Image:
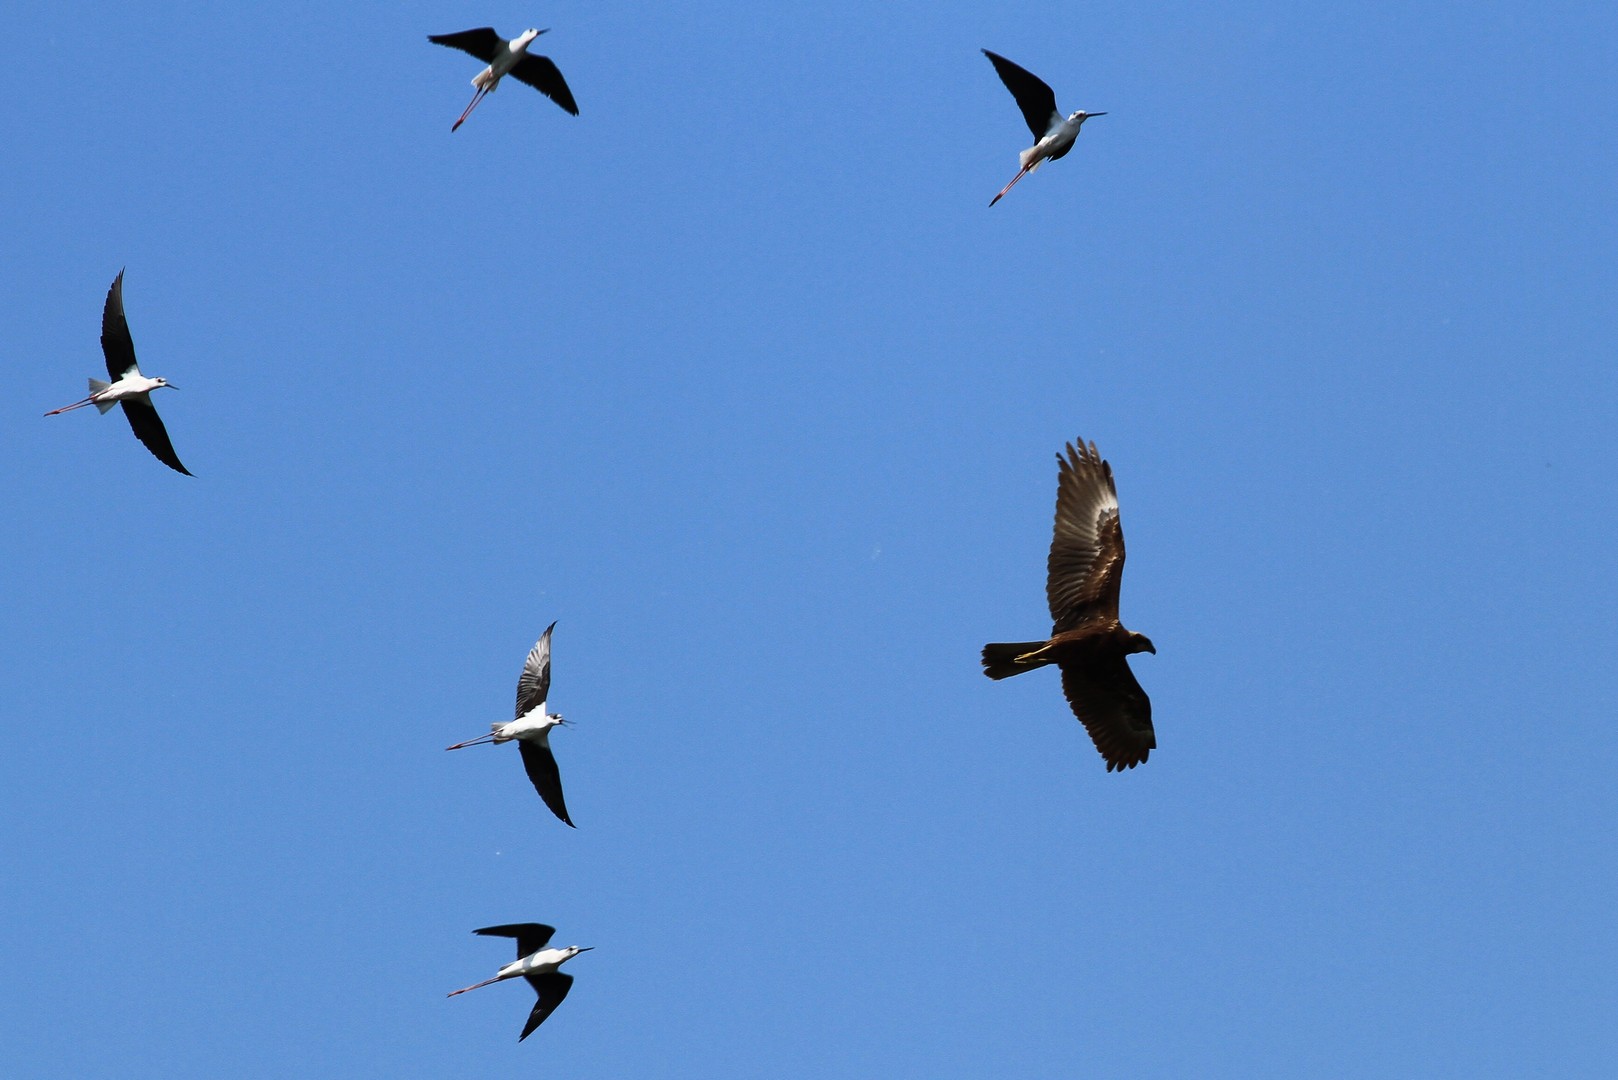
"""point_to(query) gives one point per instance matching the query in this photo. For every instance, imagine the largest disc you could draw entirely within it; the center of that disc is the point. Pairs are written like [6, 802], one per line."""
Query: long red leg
[70, 408]
[476, 97]
[474, 986]
[1022, 173]
[472, 742]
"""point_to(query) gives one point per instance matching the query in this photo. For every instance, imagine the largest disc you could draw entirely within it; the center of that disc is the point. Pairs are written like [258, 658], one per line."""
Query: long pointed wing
[1113, 708]
[1036, 100]
[551, 990]
[540, 763]
[531, 936]
[148, 428]
[1086, 563]
[482, 43]
[544, 76]
[534, 684]
[116, 343]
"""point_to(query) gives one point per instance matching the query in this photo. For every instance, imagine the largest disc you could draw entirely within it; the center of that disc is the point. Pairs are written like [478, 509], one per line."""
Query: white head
[572, 951]
[1081, 116]
[161, 382]
[525, 38]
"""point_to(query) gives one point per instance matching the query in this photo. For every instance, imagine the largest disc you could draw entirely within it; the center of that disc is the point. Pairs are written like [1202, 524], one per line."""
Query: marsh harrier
[1087, 641]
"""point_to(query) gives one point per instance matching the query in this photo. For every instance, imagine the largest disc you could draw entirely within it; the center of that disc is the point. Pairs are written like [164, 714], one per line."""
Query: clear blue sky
[738, 378]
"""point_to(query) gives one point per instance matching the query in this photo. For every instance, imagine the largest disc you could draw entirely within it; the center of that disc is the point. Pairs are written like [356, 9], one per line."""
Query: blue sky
[737, 378]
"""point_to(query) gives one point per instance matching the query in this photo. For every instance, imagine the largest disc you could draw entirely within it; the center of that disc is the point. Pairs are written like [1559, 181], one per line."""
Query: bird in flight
[535, 963]
[1088, 643]
[1053, 135]
[507, 58]
[532, 727]
[129, 387]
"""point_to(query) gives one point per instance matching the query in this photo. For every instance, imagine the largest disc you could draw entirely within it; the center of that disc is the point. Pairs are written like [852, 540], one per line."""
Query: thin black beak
[1090, 114]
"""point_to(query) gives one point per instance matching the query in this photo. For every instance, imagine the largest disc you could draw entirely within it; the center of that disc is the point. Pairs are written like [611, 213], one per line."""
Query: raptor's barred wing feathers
[1113, 708]
[1086, 563]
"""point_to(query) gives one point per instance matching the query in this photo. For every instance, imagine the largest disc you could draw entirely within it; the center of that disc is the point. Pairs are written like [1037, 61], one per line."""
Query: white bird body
[533, 726]
[489, 78]
[543, 962]
[104, 395]
[1054, 143]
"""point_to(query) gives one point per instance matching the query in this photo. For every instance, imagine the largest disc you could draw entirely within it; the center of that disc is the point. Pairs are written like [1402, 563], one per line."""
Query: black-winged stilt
[532, 728]
[1053, 135]
[535, 963]
[129, 387]
[507, 58]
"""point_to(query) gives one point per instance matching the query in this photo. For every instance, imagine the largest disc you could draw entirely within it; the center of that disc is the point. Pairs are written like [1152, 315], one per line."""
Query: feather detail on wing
[534, 684]
[1086, 563]
[1113, 708]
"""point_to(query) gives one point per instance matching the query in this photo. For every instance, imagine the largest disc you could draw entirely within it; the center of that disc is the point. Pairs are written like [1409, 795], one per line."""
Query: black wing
[551, 990]
[1036, 100]
[119, 346]
[1113, 708]
[541, 765]
[534, 684]
[148, 428]
[531, 936]
[482, 43]
[540, 73]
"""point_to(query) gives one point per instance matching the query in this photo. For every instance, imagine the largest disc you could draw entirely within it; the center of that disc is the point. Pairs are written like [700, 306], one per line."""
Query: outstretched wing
[116, 343]
[1113, 708]
[482, 43]
[1086, 563]
[544, 76]
[534, 684]
[551, 990]
[1036, 100]
[540, 763]
[149, 429]
[531, 936]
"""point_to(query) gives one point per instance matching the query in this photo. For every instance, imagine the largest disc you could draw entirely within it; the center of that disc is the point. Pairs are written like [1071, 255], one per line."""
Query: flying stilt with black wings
[531, 730]
[128, 387]
[539, 965]
[507, 58]
[1053, 134]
